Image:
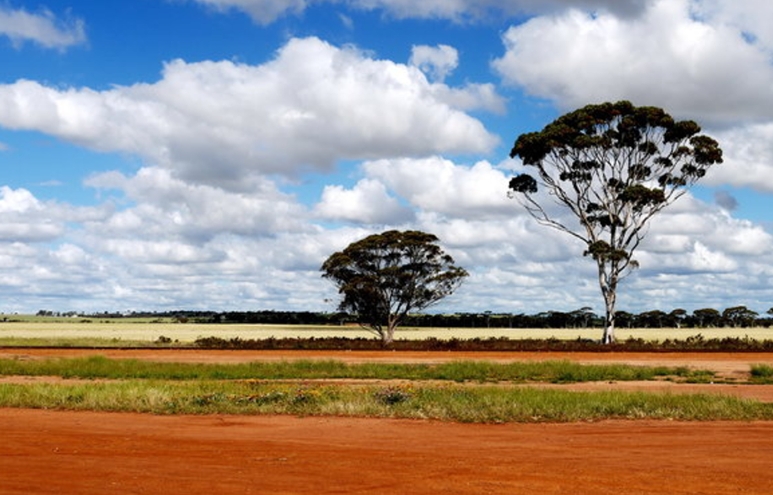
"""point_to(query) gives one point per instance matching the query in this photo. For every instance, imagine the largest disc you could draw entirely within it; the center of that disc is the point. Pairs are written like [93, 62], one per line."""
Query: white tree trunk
[389, 333]
[609, 291]
[609, 333]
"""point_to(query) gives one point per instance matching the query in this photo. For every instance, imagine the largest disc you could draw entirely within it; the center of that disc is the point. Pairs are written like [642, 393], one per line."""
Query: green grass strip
[479, 371]
[450, 402]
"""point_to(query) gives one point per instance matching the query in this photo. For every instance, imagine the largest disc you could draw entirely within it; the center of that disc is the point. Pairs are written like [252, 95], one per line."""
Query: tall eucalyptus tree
[613, 166]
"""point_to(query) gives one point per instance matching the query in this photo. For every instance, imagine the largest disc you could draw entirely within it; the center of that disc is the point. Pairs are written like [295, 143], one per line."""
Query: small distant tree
[676, 317]
[707, 317]
[612, 166]
[739, 316]
[625, 319]
[582, 317]
[652, 319]
[386, 276]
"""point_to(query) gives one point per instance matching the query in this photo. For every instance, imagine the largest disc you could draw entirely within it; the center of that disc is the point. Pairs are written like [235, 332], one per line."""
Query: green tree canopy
[384, 277]
[613, 166]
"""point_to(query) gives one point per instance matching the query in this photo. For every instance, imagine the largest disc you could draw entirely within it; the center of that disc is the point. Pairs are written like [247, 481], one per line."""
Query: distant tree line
[736, 316]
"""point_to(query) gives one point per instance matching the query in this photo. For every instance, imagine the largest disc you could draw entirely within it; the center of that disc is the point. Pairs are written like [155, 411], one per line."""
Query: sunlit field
[146, 330]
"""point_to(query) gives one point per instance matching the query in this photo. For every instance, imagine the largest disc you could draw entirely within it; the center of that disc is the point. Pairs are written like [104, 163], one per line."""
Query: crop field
[148, 330]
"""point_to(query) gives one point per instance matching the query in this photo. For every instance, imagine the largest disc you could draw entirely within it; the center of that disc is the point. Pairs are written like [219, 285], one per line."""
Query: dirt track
[96, 453]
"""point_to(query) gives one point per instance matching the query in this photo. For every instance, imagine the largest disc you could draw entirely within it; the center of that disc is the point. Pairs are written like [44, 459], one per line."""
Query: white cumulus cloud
[218, 122]
[438, 185]
[367, 202]
[748, 157]
[25, 218]
[168, 206]
[435, 61]
[42, 28]
[667, 56]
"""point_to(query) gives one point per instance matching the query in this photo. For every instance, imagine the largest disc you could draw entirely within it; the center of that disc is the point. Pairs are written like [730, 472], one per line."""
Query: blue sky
[210, 154]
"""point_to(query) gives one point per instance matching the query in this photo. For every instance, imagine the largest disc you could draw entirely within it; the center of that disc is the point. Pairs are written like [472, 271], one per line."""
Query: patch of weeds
[172, 406]
[306, 395]
[209, 399]
[394, 394]
[701, 376]
[682, 371]
[271, 397]
[75, 398]
[762, 373]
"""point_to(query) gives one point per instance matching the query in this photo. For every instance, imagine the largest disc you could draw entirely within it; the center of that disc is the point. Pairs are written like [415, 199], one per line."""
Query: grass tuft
[762, 374]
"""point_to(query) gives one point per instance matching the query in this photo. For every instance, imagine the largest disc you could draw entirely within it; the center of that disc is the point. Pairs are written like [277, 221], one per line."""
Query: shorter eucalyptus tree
[386, 276]
[613, 166]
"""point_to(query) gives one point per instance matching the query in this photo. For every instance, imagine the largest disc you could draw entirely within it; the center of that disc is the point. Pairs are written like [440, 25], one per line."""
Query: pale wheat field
[128, 330]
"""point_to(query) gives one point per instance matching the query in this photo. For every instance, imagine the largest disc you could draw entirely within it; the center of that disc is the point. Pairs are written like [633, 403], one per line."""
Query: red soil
[96, 453]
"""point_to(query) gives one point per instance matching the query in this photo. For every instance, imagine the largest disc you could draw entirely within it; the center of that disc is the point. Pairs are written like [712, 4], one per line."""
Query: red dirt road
[85, 453]
[99, 453]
